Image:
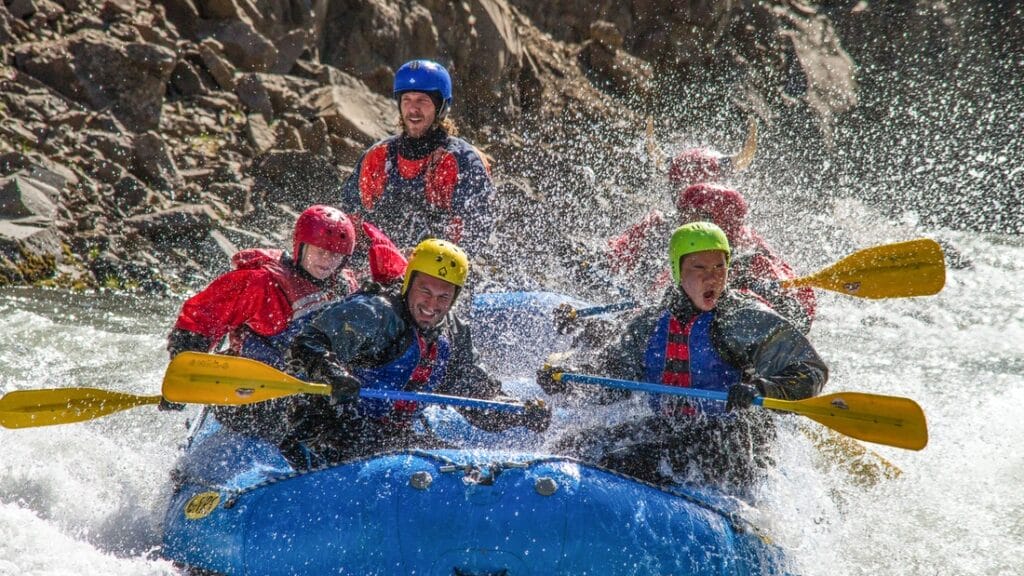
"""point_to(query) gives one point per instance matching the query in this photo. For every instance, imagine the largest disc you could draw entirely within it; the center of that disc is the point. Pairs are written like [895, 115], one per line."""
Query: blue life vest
[707, 369]
[398, 375]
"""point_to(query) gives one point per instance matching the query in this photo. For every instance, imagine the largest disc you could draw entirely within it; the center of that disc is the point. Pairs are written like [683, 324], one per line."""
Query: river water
[87, 498]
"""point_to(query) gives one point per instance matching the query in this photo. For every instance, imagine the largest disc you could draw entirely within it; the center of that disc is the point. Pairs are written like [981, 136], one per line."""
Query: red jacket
[260, 294]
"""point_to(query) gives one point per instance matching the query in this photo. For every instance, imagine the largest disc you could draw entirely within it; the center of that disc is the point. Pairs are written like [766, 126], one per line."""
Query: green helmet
[696, 237]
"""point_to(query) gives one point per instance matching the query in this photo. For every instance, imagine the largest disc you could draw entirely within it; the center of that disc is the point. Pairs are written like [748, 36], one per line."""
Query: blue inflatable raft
[240, 508]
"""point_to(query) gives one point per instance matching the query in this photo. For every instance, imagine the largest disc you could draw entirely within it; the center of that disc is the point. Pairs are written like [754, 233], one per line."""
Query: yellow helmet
[440, 259]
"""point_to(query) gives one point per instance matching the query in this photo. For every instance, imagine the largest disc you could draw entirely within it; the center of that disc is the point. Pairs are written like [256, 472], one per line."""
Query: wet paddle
[888, 420]
[904, 269]
[197, 378]
[31, 408]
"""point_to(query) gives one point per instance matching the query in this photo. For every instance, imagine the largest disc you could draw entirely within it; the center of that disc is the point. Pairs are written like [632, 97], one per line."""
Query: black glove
[186, 341]
[741, 396]
[537, 416]
[565, 318]
[546, 380]
[165, 406]
[344, 386]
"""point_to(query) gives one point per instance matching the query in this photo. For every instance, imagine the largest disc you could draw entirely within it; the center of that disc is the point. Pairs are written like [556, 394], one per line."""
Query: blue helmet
[425, 76]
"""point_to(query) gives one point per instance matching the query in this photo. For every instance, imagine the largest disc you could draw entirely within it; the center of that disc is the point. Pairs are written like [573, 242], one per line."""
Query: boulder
[154, 163]
[351, 111]
[296, 177]
[101, 71]
[22, 196]
[29, 251]
[178, 227]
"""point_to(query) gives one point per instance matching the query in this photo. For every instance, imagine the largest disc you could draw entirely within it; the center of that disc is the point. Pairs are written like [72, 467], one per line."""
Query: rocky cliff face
[143, 141]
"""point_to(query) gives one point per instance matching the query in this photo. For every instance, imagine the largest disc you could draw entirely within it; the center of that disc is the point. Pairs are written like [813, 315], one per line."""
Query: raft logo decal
[201, 505]
[851, 287]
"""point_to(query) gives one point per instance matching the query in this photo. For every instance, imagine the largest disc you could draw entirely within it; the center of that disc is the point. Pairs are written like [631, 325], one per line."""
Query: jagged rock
[183, 14]
[222, 9]
[154, 163]
[112, 9]
[238, 197]
[315, 137]
[258, 132]
[606, 34]
[178, 226]
[22, 196]
[6, 35]
[254, 96]
[41, 169]
[286, 137]
[289, 48]
[101, 71]
[284, 92]
[186, 79]
[46, 9]
[29, 250]
[114, 147]
[830, 86]
[612, 68]
[351, 111]
[246, 48]
[130, 193]
[298, 178]
[212, 53]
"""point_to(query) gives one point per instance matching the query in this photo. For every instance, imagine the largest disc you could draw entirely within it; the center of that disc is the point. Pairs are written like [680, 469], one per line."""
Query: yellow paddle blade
[198, 378]
[889, 420]
[914, 268]
[31, 408]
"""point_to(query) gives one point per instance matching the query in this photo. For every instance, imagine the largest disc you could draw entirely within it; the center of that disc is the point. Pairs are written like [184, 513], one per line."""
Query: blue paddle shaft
[595, 310]
[400, 395]
[653, 388]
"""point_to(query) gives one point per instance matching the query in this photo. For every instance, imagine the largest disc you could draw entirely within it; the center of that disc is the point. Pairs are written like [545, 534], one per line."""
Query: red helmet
[694, 166]
[324, 227]
[725, 206]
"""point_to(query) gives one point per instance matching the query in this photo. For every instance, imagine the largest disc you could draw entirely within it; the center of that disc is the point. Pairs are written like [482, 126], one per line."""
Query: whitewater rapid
[88, 498]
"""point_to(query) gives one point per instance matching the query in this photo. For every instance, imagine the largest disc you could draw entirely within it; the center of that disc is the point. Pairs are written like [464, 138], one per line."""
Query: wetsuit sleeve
[624, 358]
[249, 297]
[771, 352]
[353, 330]
[473, 202]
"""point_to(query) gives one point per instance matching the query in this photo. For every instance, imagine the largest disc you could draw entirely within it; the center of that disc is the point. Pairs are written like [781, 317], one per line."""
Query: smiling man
[703, 335]
[395, 340]
[425, 182]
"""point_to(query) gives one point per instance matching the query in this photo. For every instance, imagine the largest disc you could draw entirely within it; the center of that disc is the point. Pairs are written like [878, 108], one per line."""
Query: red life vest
[677, 354]
[304, 296]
